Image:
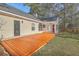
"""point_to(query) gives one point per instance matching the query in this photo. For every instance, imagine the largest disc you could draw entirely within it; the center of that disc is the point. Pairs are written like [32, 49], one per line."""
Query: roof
[54, 18]
[13, 10]
[10, 9]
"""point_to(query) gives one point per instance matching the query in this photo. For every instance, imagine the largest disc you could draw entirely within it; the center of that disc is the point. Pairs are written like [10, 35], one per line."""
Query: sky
[20, 6]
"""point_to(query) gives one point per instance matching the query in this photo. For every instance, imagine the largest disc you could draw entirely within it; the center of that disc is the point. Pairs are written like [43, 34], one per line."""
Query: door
[16, 28]
[53, 28]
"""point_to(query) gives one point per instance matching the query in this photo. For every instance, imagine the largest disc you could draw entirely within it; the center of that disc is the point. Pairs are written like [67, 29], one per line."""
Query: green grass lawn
[60, 47]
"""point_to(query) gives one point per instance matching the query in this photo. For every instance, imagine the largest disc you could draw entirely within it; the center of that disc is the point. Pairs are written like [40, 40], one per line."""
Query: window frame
[33, 27]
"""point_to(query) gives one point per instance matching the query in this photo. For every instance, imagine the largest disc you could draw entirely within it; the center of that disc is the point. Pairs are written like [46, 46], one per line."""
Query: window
[33, 27]
[40, 27]
[43, 26]
[16, 28]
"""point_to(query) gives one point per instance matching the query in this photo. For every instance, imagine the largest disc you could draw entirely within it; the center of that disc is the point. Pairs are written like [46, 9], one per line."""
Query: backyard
[65, 45]
[60, 21]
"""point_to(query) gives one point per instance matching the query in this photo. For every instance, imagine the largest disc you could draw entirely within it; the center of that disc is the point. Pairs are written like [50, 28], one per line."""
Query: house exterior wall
[49, 26]
[26, 28]
[8, 27]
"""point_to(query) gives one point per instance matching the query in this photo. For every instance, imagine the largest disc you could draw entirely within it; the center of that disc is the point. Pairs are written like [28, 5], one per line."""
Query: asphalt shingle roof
[54, 18]
[13, 10]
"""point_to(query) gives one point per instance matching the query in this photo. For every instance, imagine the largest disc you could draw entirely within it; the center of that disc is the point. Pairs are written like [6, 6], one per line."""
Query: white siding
[49, 26]
[25, 27]
[8, 27]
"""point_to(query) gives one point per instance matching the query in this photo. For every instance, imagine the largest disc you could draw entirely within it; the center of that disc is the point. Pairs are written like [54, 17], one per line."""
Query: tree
[66, 15]
[36, 9]
[65, 11]
[42, 10]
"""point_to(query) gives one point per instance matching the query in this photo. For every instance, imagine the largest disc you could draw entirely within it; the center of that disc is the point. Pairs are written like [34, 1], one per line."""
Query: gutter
[21, 16]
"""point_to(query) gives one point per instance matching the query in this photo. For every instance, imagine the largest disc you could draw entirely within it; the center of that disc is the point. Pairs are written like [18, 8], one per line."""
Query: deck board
[26, 45]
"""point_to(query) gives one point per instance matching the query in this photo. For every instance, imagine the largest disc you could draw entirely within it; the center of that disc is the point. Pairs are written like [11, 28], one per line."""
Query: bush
[73, 30]
[69, 35]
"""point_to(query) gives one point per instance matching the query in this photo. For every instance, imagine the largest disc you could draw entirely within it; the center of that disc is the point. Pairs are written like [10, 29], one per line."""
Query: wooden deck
[27, 45]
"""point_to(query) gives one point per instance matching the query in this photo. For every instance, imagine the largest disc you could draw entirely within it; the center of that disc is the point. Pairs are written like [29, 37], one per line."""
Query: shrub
[69, 35]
